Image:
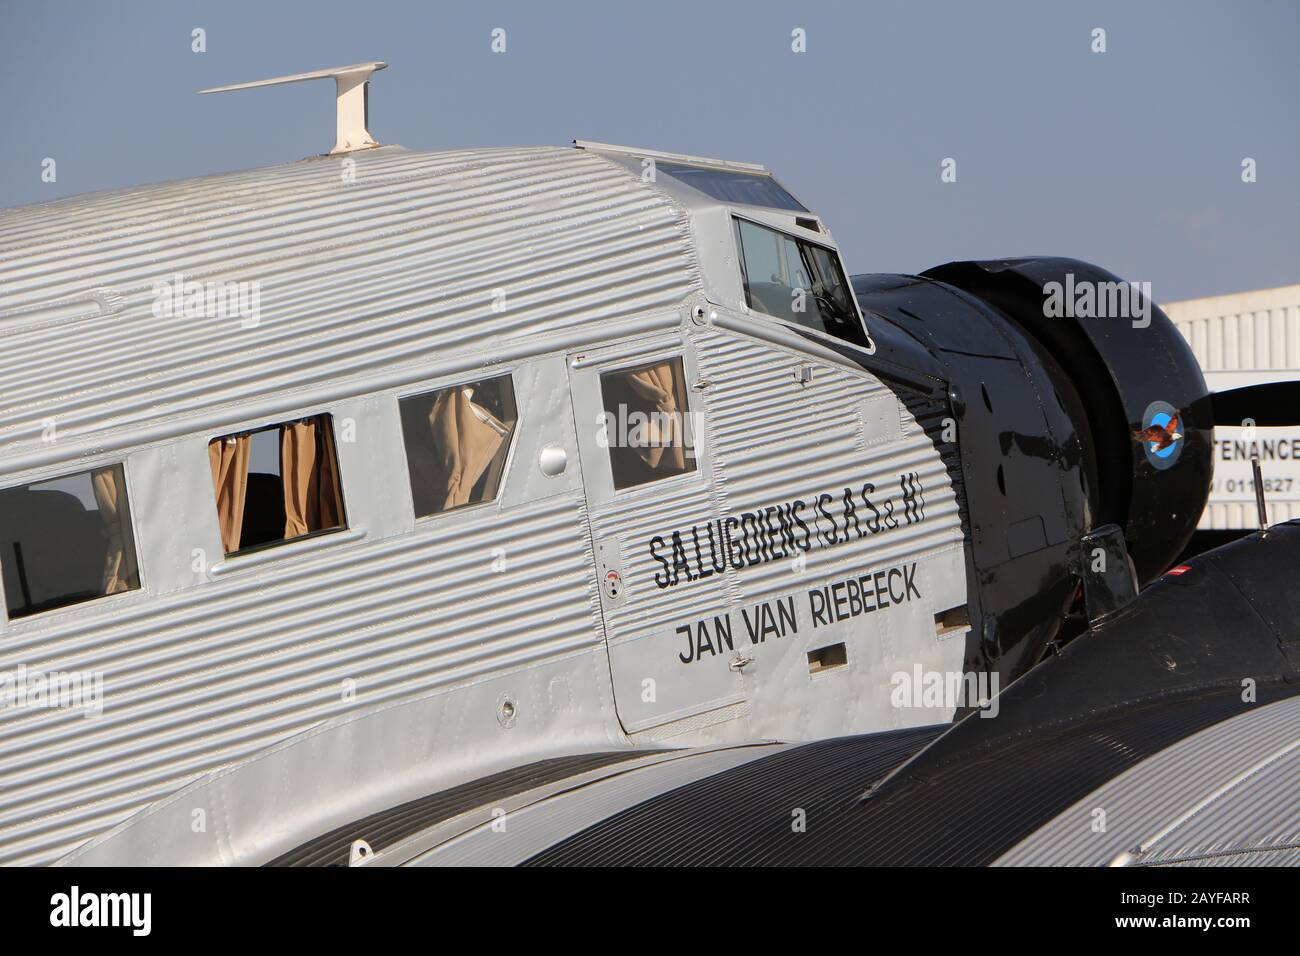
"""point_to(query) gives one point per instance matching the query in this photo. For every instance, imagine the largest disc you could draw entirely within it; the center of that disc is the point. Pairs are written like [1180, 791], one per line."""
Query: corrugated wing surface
[1225, 793]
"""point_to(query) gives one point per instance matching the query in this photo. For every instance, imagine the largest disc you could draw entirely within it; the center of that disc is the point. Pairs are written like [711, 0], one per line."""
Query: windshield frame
[828, 321]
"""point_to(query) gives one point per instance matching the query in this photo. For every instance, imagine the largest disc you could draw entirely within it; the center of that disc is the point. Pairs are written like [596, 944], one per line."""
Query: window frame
[738, 245]
[584, 385]
[688, 422]
[39, 619]
[670, 166]
[444, 384]
[261, 551]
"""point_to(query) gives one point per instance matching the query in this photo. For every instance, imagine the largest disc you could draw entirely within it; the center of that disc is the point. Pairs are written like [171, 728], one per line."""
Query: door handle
[740, 662]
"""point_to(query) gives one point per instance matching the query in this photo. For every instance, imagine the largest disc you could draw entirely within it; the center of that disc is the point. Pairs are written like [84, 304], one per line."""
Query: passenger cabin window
[733, 186]
[276, 484]
[797, 280]
[646, 423]
[457, 440]
[65, 541]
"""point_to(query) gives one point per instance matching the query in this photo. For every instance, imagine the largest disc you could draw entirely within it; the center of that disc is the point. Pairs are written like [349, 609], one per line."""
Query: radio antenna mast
[351, 101]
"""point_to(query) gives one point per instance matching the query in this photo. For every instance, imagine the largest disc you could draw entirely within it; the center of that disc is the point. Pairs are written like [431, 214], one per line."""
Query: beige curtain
[658, 389]
[310, 474]
[229, 460]
[466, 437]
[110, 495]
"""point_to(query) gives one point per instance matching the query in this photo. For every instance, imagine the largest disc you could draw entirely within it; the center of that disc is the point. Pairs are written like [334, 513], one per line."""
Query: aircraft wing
[1169, 734]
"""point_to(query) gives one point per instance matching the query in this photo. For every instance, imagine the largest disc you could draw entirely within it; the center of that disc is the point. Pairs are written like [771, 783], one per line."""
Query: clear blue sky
[1130, 158]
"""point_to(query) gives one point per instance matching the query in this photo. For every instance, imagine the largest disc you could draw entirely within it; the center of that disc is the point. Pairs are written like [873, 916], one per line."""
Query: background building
[1244, 339]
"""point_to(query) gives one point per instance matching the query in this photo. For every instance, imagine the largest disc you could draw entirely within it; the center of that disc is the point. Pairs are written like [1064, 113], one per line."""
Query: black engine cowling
[1066, 420]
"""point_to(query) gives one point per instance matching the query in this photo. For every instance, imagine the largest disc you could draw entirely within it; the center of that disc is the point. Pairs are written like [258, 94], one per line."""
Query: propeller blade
[1269, 404]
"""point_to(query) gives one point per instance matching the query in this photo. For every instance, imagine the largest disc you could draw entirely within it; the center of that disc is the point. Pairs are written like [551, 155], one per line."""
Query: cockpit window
[731, 186]
[796, 280]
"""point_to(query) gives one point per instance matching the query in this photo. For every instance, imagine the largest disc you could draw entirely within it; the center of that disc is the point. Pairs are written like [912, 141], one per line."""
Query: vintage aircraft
[458, 506]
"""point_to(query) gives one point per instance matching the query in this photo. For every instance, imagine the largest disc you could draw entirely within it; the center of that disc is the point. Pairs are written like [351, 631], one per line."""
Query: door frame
[647, 652]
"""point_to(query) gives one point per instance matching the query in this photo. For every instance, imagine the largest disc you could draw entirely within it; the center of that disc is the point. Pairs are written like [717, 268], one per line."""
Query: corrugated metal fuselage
[253, 702]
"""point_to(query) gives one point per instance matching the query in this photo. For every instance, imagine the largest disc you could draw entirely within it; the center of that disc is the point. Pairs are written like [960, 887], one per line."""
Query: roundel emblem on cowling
[1160, 434]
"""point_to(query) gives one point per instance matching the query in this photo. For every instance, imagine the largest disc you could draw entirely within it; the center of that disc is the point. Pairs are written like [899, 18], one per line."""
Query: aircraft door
[640, 413]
